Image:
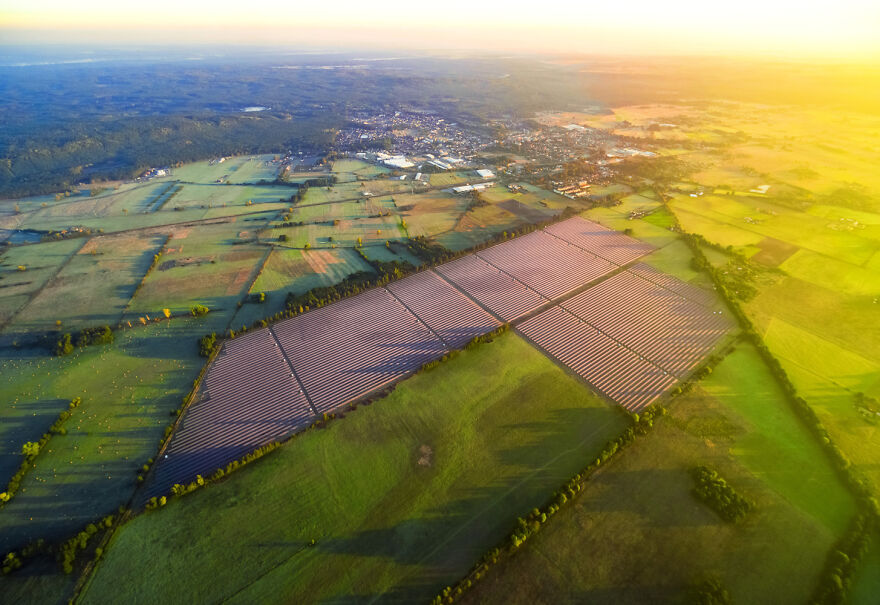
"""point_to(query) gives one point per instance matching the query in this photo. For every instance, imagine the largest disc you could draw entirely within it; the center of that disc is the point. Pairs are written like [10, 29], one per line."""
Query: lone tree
[64, 346]
[199, 310]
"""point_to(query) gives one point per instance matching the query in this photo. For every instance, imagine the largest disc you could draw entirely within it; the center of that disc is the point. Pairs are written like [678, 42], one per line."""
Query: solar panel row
[654, 322]
[546, 264]
[355, 346]
[612, 369]
[592, 237]
[270, 383]
[698, 295]
[447, 312]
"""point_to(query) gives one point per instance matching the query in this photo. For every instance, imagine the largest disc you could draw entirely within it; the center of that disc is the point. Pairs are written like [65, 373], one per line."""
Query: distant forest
[127, 110]
[70, 123]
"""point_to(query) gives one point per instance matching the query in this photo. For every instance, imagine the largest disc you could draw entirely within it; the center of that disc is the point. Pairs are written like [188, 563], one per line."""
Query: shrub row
[712, 490]
[844, 560]
[179, 489]
[802, 409]
[472, 343]
[156, 258]
[100, 335]
[532, 523]
[69, 548]
[32, 449]
[177, 188]
[834, 584]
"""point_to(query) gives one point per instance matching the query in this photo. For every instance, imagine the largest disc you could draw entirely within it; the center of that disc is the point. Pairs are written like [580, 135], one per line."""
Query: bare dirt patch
[426, 455]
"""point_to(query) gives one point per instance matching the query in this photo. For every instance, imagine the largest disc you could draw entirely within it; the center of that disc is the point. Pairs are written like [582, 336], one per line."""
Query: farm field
[127, 390]
[297, 271]
[795, 192]
[95, 284]
[411, 471]
[255, 169]
[637, 533]
[342, 352]
[40, 263]
[212, 265]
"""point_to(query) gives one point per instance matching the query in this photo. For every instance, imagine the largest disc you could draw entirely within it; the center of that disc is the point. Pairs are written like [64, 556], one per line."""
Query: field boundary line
[468, 296]
[418, 319]
[50, 279]
[597, 255]
[292, 371]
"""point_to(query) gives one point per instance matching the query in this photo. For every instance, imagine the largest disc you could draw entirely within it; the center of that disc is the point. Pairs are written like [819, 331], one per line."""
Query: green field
[95, 284]
[636, 534]
[127, 388]
[297, 271]
[402, 495]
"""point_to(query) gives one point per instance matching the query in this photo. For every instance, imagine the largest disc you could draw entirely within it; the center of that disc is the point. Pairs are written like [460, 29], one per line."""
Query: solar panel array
[592, 237]
[657, 324]
[612, 369]
[698, 295]
[270, 383]
[497, 291]
[357, 345]
[546, 264]
[451, 315]
[250, 397]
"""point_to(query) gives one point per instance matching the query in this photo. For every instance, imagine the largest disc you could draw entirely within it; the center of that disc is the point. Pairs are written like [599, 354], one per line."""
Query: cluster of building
[154, 173]
[573, 191]
[413, 133]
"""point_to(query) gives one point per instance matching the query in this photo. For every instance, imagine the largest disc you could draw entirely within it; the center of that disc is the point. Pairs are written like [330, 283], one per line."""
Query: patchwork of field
[95, 284]
[637, 534]
[395, 496]
[25, 270]
[344, 351]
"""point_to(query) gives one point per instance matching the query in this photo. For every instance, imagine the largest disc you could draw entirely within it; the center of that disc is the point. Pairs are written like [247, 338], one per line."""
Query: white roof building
[486, 174]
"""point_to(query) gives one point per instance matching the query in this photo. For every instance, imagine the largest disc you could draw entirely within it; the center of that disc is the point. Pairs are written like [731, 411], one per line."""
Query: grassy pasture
[452, 178]
[403, 495]
[340, 192]
[797, 228]
[431, 213]
[641, 229]
[831, 273]
[205, 196]
[210, 265]
[127, 388]
[358, 168]
[41, 262]
[94, 286]
[255, 168]
[208, 172]
[636, 534]
[298, 271]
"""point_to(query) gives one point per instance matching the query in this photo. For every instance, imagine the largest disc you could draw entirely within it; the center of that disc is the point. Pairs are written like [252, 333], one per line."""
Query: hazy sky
[838, 29]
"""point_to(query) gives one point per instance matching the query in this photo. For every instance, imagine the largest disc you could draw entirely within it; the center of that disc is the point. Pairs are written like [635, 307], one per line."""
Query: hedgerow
[712, 490]
[31, 450]
[527, 526]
